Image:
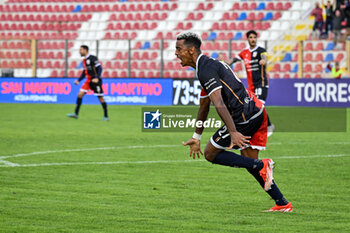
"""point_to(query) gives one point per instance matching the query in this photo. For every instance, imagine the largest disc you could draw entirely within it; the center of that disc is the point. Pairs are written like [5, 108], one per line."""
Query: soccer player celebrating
[243, 114]
[92, 71]
[255, 59]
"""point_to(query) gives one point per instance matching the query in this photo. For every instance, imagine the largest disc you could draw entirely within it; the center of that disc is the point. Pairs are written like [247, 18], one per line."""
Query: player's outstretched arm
[203, 111]
[236, 137]
[232, 61]
[194, 142]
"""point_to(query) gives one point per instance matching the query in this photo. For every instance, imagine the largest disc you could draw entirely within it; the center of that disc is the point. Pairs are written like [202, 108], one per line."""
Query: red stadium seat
[252, 6]
[318, 68]
[204, 35]
[234, 15]
[226, 16]
[223, 26]
[286, 68]
[279, 6]
[287, 5]
[308, 46]
[114, 74]
[339, 57]
[270, 6]
[215, 26]
[260, 16]
[123, 74]
[319, 46]
[116, 65]
[251, 16]
[308, 57]
[319, 57]
[308, 68]
[244, 6]
[276, 68]
[295, 58]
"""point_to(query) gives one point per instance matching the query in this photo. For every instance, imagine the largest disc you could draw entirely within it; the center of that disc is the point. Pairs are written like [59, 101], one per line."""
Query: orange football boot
[267, 173]
[281, 208]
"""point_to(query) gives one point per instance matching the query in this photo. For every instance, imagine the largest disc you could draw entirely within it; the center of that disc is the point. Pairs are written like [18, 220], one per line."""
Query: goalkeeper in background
[92, 71]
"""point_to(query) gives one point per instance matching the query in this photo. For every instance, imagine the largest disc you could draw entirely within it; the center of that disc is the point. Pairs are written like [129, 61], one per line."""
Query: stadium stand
[222, 25]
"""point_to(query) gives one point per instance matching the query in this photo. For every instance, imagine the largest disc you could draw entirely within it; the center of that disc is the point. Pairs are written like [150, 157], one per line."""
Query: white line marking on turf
[104, 163]
[130, 147]
[86, 149]
[159, 161]
[9, 164]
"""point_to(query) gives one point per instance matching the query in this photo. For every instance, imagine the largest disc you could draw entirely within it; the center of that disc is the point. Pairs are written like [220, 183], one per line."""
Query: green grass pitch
[95, 176]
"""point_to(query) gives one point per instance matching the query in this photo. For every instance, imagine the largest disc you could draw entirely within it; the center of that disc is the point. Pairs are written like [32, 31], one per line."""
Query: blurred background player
[336, 70]
[92, 71]
[244, 116]
[255, 60]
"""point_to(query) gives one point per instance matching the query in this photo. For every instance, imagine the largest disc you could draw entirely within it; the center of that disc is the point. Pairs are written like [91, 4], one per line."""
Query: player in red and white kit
[92, 71]
[244, 116]
[255, 59]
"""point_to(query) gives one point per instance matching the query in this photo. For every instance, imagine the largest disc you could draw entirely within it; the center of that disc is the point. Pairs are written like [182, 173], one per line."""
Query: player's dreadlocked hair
[191, 39]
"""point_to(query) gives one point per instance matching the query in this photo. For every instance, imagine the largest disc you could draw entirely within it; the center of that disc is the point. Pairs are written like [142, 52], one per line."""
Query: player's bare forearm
[236, 137]
[222, 110]
[203, 111]
[232, 61]
[82, 76]
[263, 60]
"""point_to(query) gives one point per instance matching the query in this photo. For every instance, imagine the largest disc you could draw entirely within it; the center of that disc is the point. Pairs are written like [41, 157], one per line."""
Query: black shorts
[261, 93]
[96, 87]
[256, 128]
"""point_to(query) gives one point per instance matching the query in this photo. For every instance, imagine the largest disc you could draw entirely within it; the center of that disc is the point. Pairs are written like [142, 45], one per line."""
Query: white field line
[136, 147]
[8, 164]
[86, 149]
[159, 161]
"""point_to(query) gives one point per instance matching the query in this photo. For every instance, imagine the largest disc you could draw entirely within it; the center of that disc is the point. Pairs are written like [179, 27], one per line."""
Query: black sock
[268, 121]
[274, 192]
[77, 107]
[231, 159]
[104, 105]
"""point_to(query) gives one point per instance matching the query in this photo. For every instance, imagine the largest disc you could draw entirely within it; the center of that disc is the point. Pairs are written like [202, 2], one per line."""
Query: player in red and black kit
[92, 71]
[243, 114]
[255, 59]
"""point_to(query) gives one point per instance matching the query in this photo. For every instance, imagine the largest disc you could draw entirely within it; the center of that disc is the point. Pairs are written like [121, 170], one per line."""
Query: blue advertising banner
[60, 90]
[282, 92]
[309, 92]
